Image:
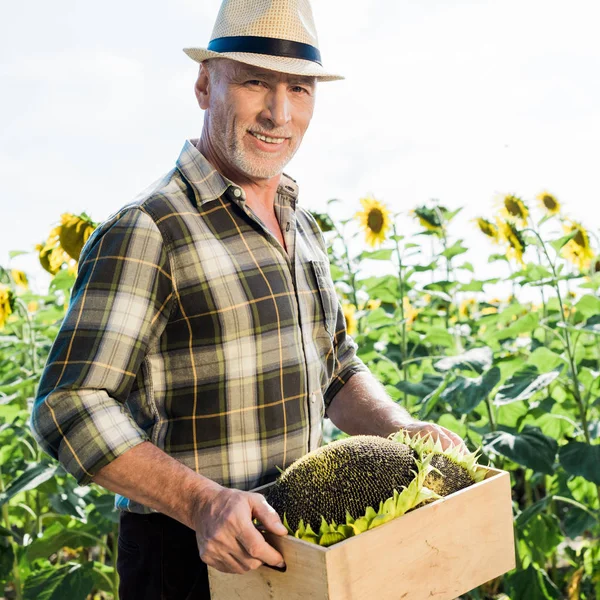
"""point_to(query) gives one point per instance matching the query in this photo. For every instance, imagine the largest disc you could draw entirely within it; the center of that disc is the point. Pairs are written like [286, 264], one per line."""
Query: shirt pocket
[327, 295]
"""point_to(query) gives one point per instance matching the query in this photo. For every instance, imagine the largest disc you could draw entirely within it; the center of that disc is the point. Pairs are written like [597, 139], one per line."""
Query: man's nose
[278, 105]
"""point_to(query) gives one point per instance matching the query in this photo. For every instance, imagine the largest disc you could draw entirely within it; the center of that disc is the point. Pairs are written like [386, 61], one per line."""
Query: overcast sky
[443, 99]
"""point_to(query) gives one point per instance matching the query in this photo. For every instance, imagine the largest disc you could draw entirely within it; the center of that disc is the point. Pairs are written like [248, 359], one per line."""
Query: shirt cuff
[338, 382]
[85, 443]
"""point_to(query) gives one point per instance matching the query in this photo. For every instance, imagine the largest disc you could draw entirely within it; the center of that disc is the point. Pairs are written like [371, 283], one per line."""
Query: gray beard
[257, 169]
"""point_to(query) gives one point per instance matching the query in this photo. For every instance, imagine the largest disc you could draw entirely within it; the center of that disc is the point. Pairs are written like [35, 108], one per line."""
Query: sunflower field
[517, 376]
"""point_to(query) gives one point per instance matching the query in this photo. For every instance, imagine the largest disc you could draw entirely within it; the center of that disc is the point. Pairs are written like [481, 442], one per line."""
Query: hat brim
[282, 64]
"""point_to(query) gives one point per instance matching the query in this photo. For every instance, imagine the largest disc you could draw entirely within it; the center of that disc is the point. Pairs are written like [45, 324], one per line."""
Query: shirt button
[237, 192]
[313, 398]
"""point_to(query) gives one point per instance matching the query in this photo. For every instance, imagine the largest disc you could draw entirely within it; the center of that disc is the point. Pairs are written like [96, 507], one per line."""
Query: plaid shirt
[190, 326]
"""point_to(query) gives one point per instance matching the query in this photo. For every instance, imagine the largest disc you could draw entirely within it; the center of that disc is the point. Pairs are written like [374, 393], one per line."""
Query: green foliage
[520, 380]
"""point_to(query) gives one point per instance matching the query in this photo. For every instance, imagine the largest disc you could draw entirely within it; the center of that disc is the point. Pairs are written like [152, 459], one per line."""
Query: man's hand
[447, 438]
[227, 538]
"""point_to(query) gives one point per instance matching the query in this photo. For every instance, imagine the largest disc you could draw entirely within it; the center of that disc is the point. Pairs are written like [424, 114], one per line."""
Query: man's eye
[299, 89]
[255, 82]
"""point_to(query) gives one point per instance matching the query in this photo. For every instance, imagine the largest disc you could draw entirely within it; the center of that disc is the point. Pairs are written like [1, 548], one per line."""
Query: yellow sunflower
[52, 255]
[74, 233]
[410, 313]
[513, 207]
[6, 304]
[549, 203]
[349, 311]
[323, 221]
[20, 279]
[578, 249]
[431, 218]
[370, 304]
[374, 219]
[514, 240]
[488, 228]
[467, 308]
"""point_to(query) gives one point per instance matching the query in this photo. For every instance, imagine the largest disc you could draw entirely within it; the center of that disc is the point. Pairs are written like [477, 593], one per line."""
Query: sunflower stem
[568, 346]
[401, 303]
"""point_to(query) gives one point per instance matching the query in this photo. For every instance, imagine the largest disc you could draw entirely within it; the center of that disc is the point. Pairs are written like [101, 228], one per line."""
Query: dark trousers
[158, 559]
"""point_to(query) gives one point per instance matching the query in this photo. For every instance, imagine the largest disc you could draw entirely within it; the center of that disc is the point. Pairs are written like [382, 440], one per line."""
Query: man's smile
[267, 139]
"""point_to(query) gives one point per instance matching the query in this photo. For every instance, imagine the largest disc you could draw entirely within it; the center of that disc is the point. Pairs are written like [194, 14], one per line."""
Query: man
[204, 340]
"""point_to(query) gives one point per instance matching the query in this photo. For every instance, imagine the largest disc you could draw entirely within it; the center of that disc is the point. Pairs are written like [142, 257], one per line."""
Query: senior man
[204, 340]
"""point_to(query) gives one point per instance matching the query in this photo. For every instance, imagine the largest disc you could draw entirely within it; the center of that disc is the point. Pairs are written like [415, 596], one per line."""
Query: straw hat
[279, 35]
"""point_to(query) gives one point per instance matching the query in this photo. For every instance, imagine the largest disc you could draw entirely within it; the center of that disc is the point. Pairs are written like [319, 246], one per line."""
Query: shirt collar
[210, 184]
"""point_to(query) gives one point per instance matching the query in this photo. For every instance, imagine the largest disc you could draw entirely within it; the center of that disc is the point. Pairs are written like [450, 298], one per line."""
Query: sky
[456, 100]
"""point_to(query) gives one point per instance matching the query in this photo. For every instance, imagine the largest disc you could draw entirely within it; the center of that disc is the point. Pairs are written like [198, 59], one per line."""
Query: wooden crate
[438, 551]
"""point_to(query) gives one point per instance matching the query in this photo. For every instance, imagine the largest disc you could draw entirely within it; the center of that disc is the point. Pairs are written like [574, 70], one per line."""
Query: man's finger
[256, 546]
[267, 515]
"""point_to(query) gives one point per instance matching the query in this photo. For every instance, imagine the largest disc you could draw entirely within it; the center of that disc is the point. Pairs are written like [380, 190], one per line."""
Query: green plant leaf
[34, 475]
[588, 306]
[465, 394]
[531, 511]
[530, 448]
[524, 324]
[477, 359]
[579, 458]
[381, 254]
[544, 359]
[454, 250]
[430, 401]
[426, 386]
[531, 584]
[524, 384]
[59, 535]
[71, 582]
[437, 336]
[7, 556]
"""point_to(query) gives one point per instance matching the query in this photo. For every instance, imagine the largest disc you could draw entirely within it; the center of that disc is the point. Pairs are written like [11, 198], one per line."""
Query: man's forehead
[242, 69]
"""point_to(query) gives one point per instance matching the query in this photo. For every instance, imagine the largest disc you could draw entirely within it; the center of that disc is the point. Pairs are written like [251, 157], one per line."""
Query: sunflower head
[349, 311]
[74, 233]
[410, 312]
[488, 228]
[578, 250]
[514, 208]
[7, 304]
[374, 219]
[432, 219]
[19, 278]
[323, 221]
[467, 308]
[549, 204]
[514, 239]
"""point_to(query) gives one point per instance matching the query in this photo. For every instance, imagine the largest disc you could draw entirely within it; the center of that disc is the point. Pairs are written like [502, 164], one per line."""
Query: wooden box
[438, 551]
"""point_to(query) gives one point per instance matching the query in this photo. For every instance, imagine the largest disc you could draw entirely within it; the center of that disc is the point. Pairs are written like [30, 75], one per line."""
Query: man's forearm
[362, 406]
[148, 475]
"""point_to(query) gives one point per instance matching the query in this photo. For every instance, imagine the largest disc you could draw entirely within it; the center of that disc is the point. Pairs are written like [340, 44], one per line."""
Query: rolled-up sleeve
[347, 362]
[119, 306]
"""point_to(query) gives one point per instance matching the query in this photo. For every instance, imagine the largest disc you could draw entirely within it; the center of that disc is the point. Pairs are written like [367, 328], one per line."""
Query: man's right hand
[227, 538]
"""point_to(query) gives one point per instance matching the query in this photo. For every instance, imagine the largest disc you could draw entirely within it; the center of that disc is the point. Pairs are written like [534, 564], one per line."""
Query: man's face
[256, 118]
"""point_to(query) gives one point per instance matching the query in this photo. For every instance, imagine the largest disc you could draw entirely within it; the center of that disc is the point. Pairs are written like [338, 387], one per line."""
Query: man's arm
[221, 517]
[362, 406]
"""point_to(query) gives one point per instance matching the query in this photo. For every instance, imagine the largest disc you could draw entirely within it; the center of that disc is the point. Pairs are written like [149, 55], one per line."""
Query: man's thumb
[267, 516]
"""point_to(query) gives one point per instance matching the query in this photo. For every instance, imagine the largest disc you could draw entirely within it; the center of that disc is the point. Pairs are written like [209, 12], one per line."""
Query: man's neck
[260, 193]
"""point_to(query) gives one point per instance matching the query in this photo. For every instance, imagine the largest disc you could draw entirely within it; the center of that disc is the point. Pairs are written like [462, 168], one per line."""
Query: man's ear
[202, 87]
